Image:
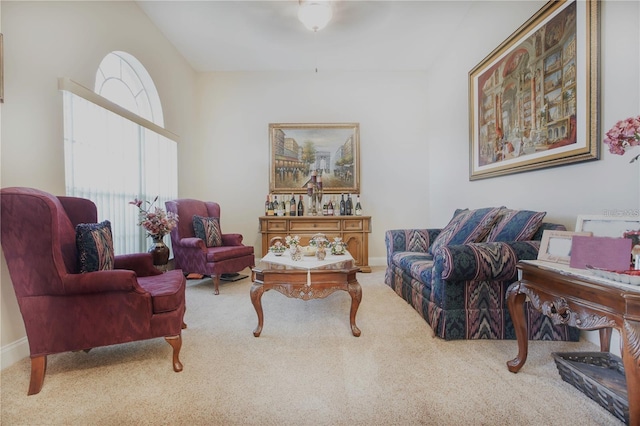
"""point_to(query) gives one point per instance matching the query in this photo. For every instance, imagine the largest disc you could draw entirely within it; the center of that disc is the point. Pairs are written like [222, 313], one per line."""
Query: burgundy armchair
[192, 255]
[64, 310]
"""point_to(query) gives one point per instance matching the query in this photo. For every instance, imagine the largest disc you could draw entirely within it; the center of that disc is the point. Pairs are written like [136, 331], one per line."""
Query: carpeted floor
[305, 369]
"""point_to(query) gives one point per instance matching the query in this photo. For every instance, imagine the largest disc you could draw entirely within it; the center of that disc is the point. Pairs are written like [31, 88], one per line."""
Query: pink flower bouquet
[624, 135]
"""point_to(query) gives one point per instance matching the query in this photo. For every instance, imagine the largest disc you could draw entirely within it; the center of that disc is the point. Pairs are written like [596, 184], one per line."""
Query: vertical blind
[113, 156]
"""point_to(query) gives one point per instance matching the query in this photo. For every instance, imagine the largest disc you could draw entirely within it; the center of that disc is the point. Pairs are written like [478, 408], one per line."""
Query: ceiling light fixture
[315, 14]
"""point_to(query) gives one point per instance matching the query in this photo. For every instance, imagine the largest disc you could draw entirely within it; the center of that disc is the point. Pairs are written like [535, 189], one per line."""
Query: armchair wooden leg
[176, 344]
[38, 369]
[216, 284]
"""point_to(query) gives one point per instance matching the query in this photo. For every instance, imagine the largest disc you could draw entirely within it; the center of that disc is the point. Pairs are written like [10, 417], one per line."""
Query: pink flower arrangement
[624, 135]
[156, 221]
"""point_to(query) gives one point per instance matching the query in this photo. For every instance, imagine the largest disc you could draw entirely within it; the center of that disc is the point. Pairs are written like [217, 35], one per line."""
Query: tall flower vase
[160, 252]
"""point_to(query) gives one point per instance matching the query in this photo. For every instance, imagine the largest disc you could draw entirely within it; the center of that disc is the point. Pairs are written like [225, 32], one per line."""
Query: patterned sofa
[457, 277]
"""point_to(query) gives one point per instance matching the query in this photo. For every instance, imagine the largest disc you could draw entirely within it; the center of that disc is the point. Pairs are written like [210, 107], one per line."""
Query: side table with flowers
[157, 223]
[621, 138]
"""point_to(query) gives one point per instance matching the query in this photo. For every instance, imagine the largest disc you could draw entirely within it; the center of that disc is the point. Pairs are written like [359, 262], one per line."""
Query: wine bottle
[300, 207]
[267, 204]
[330, 207]
[292, 205]
[276, 206]
[349, 206]
[343, 206]
[358, 206]
[271, 211]
[283, 208]
[325, 209]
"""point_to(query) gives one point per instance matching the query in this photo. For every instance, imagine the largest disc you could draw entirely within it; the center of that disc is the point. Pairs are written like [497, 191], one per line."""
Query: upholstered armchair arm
[140, 263]
[483, 261]
[231, 239]
[417, 240]
[101, 282]
[192, 242]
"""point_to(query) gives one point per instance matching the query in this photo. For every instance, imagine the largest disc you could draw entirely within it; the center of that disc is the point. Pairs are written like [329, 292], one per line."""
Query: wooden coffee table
[306, 283]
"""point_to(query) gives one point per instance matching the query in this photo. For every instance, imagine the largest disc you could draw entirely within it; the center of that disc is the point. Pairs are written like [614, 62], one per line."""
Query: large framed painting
[332, 151]
[533, 102]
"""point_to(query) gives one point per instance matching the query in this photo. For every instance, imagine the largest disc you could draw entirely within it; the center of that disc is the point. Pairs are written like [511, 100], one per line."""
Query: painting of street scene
[331, 150]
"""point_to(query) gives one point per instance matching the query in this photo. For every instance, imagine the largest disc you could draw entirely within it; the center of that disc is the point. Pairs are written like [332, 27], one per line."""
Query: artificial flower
[154, 220]
[623, 136]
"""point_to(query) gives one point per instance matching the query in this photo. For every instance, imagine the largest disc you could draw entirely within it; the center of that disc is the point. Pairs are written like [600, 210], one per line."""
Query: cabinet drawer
[277, 225]
[353, 225]
[314, 225]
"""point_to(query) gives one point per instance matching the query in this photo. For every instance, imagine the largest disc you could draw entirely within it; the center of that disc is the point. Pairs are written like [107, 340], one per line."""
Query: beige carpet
[305, 369]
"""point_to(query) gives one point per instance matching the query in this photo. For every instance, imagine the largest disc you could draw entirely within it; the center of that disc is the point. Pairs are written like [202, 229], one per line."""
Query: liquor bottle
[358, 206]
[271, 211]
[300, 207]
[330, 207]
[343, 206]
[349, 206]
[267, 204]
[292, 206]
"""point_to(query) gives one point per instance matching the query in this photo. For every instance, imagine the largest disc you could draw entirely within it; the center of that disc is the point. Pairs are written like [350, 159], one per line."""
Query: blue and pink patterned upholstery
[460, 288]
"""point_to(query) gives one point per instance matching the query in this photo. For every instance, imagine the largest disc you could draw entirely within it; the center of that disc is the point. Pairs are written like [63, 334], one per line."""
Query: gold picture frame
[534, 100]
[330, 149]
[1, 68]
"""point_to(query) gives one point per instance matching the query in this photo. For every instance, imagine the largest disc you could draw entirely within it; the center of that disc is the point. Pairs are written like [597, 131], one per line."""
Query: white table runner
[307, 262]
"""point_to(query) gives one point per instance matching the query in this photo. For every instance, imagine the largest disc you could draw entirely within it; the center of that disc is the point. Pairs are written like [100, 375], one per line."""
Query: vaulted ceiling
[218, 35]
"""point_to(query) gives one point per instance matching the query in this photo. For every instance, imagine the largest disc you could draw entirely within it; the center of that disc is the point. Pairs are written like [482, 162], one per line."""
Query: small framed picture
[556, 245]
[608, 225]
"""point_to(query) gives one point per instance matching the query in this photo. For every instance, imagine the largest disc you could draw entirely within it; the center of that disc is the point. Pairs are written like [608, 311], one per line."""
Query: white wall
[47, 40]
[235, 112]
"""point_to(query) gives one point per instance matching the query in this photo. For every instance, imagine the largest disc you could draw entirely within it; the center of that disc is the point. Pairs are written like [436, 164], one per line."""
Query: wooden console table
[354, 231]
[580, 300]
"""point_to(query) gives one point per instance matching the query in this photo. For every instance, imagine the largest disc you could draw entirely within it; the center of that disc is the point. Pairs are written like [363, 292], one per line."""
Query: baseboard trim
[14, 352]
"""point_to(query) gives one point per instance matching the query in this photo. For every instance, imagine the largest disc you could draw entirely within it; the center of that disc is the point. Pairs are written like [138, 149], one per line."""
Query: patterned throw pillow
[208, 230]
[95, 246]
[516, 225]
[467, 226]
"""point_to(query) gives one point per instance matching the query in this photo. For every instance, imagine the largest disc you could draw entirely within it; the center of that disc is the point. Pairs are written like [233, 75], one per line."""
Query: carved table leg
[631, 361]
[256, 298]
[605, 339]
[38, 369]
[515, 303]
[355, 290]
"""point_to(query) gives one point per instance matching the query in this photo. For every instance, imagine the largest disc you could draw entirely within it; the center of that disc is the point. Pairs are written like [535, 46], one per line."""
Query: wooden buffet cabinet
[354, 231]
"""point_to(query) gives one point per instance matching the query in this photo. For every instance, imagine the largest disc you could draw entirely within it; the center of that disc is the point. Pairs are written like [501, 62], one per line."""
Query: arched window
[116, 149]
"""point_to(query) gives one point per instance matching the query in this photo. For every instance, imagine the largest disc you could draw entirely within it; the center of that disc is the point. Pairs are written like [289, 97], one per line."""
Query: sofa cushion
[167, 292]
[208, 230]
[516, 225]
[417, 265]
[467, 226]
[95, 246]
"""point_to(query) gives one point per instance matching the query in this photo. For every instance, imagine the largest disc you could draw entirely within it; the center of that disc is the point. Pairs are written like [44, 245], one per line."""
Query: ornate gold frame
[534, 100]
[332, 149]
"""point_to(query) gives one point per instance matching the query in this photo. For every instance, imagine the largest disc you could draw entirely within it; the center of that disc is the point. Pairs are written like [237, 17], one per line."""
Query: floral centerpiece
[294, 247]
[292, 241]
[277, 248]
[623, 136]
[319, 241]
[338, 246]
[154, 220]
